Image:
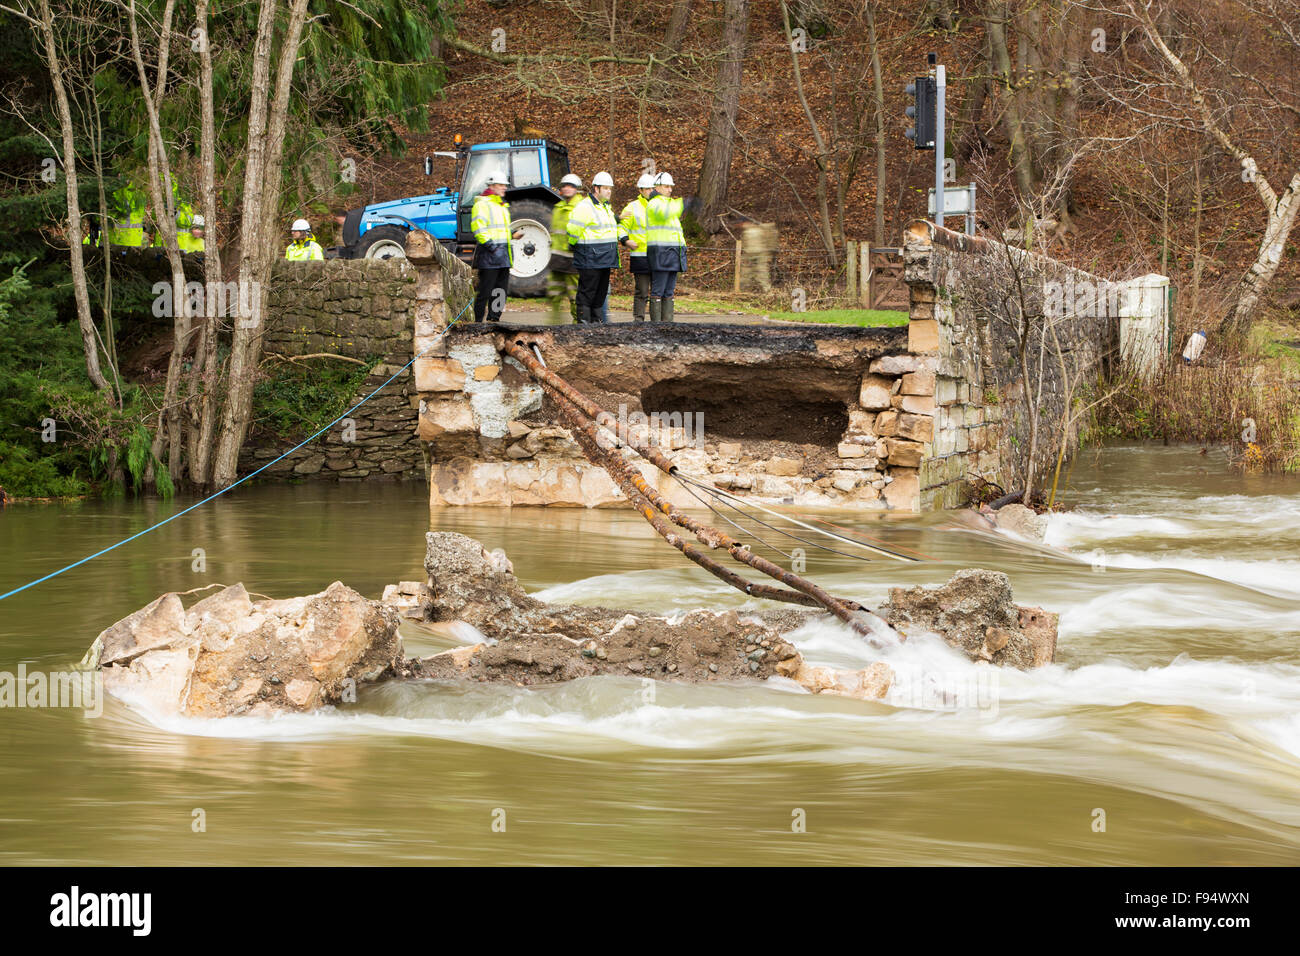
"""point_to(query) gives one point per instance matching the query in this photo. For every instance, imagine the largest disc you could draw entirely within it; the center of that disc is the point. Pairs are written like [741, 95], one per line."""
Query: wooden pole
[865, 274]
[851, 267]
[736, 282]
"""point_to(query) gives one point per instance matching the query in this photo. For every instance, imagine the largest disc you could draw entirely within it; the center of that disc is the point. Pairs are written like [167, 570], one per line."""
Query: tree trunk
[206, 374]
[716, 169]
[170, 416]
[1251, 288]
[882, 166]
[80, 289]
[262, 167]
[1021, 159]
[675, 34]
[823, 198]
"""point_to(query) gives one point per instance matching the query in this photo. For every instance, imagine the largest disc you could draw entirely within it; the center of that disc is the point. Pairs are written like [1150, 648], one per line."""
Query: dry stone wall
[360, 309]
[973, 302]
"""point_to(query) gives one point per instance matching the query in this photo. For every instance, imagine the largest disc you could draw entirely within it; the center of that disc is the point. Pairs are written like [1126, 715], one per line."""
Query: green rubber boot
[656, 309]
[666, 309]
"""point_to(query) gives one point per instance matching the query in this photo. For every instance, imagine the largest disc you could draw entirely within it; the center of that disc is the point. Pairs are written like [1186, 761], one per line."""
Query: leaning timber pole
[582, 415]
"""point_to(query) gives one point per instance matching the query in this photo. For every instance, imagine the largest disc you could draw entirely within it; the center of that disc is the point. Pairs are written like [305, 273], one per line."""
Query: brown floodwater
[1172, 715]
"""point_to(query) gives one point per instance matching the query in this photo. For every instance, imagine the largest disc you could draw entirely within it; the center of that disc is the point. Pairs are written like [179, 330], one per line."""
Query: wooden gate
[887, 290]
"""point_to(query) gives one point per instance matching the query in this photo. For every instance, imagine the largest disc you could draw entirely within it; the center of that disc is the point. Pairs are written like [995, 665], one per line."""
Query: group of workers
[128, 229]
[585, 239]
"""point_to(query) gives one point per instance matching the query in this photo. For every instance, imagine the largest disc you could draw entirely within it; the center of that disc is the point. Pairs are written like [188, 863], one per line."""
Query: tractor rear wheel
[382, 242]
[532, 252]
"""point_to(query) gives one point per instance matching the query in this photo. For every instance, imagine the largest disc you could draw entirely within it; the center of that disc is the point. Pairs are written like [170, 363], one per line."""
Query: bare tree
[1280, 20]
[262, 172]
[715, 172]
[41, 20]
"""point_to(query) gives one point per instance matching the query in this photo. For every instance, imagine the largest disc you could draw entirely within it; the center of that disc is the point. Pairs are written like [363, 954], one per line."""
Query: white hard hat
[664, 179]
[572, 179]
[602, 179]
[645, 182]
[300, 225]
[197, 221]
[498, 179]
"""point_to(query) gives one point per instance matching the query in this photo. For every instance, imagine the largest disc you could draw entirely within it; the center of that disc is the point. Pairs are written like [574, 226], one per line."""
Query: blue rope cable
[236, 484]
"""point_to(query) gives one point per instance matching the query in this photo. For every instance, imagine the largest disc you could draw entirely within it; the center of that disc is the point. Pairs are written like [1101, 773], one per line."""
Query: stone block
[904, 454]
[920, 382]
[916, 427]
[849, 450]
[904, 492]
[894, 364]
[786, 467]
[443, 416]
[923, 335]
[875, 392]
[918, 404]
[887, 423]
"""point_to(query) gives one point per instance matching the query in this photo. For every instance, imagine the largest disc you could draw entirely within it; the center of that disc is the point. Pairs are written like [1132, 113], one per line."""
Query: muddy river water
[1168, 731]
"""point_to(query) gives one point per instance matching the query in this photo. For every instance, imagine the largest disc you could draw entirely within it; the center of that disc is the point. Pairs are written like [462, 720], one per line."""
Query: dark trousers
[491, 297]
[593, 287]
[641, 294]
[663, 284]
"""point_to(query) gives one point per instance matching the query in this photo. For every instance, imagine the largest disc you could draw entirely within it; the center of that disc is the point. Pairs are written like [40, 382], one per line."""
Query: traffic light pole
[940, 121]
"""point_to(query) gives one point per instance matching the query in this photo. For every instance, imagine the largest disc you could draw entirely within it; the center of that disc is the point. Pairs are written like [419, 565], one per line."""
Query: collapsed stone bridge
[894, 418]
[802, 414]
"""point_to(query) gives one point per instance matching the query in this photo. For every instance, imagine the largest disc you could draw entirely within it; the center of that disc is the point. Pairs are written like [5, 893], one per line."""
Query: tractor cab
[533, 167]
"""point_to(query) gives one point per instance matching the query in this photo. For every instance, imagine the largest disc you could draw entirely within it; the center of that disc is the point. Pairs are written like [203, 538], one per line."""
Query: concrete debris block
[1021, 521]
[903, 493]
[870, 683]
[295, 654]
[975, 612]
[516, 429]
[1040, 628]
[786, 467]
[729, 449]
[875, 392]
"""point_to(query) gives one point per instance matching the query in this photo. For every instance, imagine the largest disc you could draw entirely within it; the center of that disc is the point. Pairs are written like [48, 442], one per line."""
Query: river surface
[1168, 731]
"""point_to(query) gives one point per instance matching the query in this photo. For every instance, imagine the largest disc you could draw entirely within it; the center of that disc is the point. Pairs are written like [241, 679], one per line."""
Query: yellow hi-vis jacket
[127, 228]
[633, 220]
[665, 241]
[594, 235]
[489, 220]
[304, 250]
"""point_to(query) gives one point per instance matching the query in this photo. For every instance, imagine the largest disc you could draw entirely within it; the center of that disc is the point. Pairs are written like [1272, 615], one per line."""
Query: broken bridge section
[770, 412]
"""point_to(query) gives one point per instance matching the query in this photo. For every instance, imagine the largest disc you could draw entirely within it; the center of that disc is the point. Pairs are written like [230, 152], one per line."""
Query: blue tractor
[534, 168]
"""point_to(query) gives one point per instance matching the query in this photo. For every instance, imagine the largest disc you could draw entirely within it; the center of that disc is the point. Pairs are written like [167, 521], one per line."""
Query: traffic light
[921, 111]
